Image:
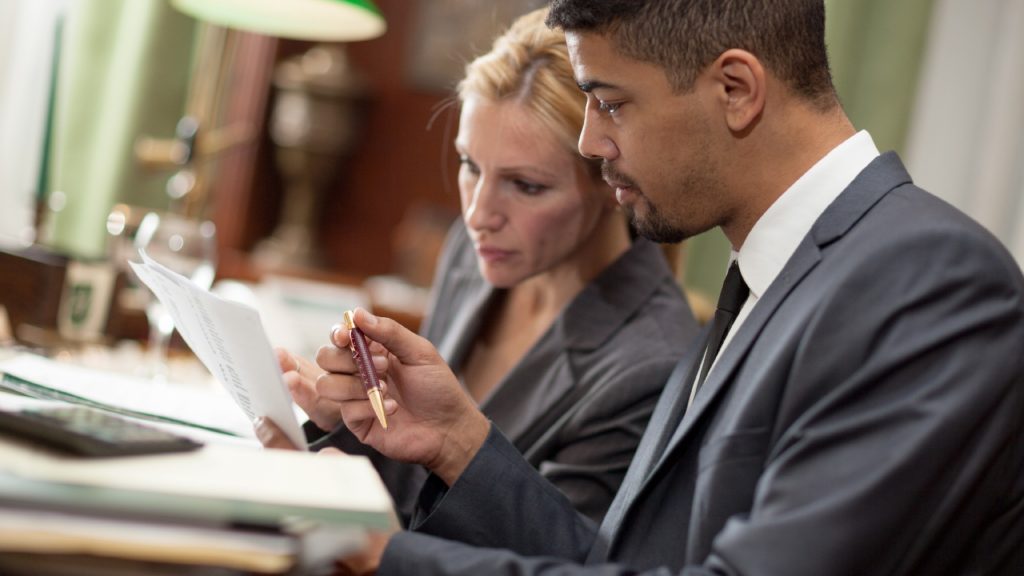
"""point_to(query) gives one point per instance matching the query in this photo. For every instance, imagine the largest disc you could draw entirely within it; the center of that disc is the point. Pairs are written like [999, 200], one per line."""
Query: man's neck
[783, 150]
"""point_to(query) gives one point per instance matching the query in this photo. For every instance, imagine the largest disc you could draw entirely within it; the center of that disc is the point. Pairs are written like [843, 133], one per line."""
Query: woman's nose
[483, 209]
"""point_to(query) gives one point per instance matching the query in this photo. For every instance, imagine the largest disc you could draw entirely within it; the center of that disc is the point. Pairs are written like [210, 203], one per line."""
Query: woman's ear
[742, 85]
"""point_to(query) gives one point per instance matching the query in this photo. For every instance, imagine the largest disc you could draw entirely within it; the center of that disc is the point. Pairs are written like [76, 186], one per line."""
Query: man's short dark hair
[685, 36]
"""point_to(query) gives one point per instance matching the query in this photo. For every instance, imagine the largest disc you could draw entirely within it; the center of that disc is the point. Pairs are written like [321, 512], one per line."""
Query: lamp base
[290, 246]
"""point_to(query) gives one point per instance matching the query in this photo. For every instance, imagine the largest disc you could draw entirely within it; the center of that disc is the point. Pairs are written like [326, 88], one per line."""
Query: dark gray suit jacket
[867, 418]
[577, 403]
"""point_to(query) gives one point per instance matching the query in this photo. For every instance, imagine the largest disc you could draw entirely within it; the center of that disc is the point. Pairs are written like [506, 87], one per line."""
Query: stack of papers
[255, 511]
[41, 378]
[219, 483]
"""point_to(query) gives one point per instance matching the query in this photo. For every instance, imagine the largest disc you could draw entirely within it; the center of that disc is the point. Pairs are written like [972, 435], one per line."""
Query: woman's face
[527, 200]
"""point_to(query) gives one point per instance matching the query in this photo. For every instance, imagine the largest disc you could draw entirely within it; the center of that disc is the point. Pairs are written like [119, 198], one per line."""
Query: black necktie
[734, 294]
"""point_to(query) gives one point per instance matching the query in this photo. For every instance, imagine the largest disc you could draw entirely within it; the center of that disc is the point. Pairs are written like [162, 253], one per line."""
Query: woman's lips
[491, 254]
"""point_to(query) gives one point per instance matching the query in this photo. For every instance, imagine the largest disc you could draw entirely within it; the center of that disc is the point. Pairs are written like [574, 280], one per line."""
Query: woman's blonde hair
[529, 64]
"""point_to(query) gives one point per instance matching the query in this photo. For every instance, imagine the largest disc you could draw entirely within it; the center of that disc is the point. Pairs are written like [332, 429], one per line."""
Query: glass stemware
[187, 247]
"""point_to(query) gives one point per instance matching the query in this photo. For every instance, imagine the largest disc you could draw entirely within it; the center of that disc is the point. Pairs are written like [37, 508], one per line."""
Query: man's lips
[624, 191]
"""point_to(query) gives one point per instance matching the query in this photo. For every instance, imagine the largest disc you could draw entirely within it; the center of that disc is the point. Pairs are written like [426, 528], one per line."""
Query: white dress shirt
[777, 233]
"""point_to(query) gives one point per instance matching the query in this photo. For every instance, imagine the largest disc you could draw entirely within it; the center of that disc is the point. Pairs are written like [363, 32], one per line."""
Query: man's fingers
[340, 387]
[359, 413]
[407, 346]
[334, 359]
[338, 361]
[339, 336]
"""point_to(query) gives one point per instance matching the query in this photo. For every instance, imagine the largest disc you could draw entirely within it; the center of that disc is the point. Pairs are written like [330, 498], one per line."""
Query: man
[864, 412]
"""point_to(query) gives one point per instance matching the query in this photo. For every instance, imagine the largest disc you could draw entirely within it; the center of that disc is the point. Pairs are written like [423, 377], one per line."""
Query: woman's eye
[528, 188]
[468, 164]
[608, 107]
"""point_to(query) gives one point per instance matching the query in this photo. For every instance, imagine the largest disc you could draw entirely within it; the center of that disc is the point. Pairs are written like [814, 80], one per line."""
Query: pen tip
[378, 406]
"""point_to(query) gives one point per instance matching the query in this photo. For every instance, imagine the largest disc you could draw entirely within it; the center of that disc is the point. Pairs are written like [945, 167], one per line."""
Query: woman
[557, 324]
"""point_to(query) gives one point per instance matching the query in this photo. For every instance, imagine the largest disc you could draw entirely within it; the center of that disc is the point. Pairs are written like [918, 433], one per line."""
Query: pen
[361, 354]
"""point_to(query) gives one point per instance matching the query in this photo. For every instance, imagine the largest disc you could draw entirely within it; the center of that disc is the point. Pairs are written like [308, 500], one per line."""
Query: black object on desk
[89, 432]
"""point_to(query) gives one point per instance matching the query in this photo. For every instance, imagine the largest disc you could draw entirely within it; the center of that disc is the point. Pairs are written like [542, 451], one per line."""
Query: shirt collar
[777, 233]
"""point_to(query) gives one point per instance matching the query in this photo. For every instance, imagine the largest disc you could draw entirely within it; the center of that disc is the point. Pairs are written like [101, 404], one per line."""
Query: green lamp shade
[321, 20]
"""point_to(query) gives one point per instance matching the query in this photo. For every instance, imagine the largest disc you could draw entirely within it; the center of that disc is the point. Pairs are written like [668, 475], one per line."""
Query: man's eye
[608, 107]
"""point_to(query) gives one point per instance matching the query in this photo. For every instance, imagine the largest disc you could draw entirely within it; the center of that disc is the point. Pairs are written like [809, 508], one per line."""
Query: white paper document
[131, 396]
[228, 338]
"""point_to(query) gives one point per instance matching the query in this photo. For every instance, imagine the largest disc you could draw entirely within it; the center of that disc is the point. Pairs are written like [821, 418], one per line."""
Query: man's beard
[653, 225]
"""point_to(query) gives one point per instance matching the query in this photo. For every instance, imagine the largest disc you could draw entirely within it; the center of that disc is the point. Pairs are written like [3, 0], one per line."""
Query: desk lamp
[196, 139]
[318, 20]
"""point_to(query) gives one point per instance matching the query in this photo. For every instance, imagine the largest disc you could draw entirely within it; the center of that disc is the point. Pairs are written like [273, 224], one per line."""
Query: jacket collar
[613, 297]
[880, 177]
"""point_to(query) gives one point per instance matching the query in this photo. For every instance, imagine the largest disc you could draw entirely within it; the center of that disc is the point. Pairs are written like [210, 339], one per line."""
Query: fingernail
[334, 334]
[390, 406]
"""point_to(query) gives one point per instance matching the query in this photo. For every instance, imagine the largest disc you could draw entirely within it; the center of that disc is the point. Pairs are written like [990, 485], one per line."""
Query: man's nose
[594, 141]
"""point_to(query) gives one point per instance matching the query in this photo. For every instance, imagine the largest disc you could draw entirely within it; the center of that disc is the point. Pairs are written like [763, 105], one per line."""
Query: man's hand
[302, 377]
[431, 420]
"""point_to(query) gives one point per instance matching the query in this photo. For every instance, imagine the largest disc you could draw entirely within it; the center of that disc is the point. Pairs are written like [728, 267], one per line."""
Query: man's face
[657, 145]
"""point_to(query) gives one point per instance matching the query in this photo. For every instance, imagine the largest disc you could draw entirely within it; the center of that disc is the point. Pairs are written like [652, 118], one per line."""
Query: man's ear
[742, 82]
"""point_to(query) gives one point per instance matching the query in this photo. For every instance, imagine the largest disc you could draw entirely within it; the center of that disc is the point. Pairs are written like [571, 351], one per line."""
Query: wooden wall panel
[400, 162]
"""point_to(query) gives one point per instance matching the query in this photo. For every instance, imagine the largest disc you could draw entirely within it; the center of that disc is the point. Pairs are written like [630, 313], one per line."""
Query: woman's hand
[271, 436]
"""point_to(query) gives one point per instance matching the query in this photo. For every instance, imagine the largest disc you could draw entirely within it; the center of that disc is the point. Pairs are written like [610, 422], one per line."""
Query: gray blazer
[867, 418]
[576, 405]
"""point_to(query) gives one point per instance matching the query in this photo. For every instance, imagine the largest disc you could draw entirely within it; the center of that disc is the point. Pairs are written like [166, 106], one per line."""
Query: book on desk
[230, 505]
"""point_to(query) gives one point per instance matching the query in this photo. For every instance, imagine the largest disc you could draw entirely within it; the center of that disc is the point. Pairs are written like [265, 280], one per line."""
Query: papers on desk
[56, 533]
[251, 510]
[218, 484]
[228, 338]
[38, 377]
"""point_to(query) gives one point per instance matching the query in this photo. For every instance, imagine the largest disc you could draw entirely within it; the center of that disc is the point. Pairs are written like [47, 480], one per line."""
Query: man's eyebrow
[591, 85]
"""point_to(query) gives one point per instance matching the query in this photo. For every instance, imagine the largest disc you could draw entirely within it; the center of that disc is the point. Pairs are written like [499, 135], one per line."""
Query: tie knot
[734, 290]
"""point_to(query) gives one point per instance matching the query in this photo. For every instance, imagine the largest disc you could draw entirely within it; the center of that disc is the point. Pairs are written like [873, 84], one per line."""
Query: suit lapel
[468, 316]
[803, 260]
[665, 415]
[881, 176]
[544, 385]
[532, 391]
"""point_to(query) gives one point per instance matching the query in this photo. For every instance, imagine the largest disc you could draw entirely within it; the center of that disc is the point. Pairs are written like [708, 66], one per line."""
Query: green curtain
[875, 47]
[124, 72]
